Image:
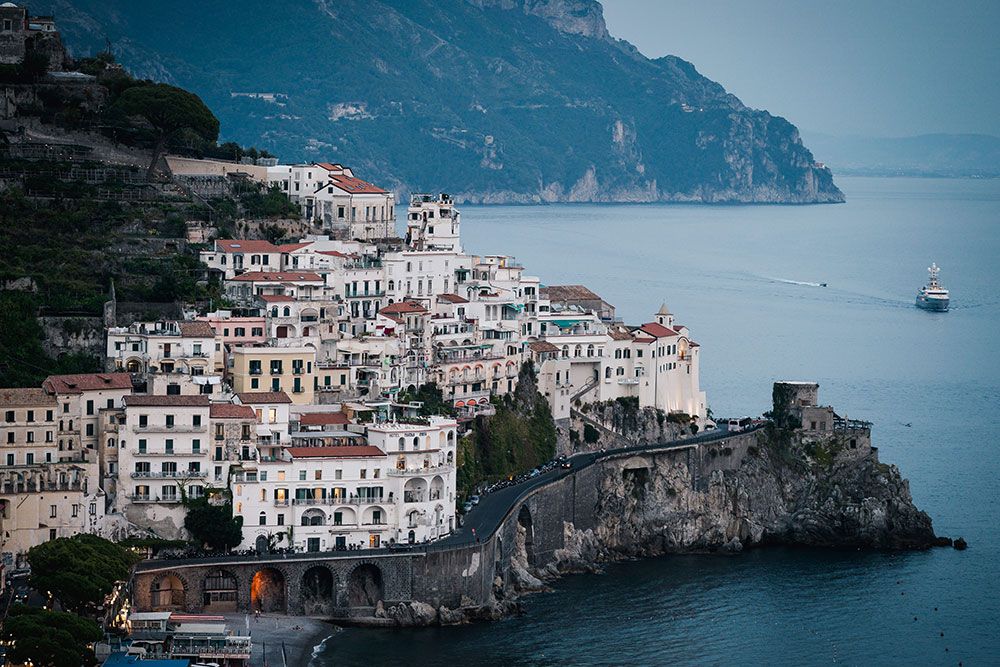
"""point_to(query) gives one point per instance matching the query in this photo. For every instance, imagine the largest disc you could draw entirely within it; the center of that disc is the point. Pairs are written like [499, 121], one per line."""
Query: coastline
[300, 636]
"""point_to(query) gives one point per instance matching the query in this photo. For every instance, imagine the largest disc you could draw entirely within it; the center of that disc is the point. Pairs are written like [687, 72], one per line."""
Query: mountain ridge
[495, 100]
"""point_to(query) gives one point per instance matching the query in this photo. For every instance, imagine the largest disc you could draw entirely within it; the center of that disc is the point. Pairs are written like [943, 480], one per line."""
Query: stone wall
[63, 334]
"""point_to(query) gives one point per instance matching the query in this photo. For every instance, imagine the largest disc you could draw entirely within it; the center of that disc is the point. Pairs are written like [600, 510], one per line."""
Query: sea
[747, 282]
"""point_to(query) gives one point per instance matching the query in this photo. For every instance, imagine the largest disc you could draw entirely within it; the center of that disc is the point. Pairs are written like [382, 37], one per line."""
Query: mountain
[949, 155]
[493, 100]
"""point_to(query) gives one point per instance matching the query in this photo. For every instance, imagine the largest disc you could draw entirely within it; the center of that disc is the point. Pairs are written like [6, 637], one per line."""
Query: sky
[843, 67]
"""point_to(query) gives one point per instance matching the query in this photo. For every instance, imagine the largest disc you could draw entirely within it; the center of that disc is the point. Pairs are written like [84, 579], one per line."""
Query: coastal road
[485, 517]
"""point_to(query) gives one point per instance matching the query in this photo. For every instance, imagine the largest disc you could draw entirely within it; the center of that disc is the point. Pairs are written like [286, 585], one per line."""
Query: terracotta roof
[658, 330]
[27, 397]
[260, 276]
[355, 185]
[274, 298]
[245, 245]
[332, 253]
[74, 384]
[568, 293]
[402, 307]
[452, 298]
[195, 328]
[259, 397]
[291, 247]
[347, 451]
[174, 400]
[542, 346]
[330, 166]
[231, 411]
[619, 333]
[322, 418]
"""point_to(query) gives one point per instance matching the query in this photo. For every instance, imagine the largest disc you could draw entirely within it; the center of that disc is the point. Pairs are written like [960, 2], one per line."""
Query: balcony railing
[340, 500]
[412, 472]
[168, 474]
[146, 498]
[168, 428]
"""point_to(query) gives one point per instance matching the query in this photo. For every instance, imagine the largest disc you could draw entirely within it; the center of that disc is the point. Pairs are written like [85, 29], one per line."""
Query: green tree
[168, 110]
[49, 638]
[79, 571]
[213, 525]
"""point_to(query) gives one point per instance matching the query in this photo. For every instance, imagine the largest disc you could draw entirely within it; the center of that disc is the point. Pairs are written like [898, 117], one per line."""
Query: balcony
[414, 472]
[147, 498]
[169, 474]
[166, 428]
[171, 452]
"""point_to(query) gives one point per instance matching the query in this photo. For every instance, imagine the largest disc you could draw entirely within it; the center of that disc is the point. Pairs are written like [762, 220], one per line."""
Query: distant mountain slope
[952, 155]
[495, 100]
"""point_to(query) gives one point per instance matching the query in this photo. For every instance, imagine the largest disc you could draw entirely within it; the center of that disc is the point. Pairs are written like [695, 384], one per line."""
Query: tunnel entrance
[168, 593]
[365, 586]
[317, 591]
[267, 591]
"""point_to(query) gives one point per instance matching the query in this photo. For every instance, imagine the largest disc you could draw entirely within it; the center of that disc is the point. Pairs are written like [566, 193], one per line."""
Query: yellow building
[264, 369]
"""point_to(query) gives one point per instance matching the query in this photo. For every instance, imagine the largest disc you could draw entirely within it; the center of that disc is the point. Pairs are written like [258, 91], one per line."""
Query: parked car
[474, 500]
[466, 507]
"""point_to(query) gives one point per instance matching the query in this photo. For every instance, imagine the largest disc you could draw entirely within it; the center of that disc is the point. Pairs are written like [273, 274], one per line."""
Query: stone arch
[268, 590]
[262, 545]
[364, 586]
[437, 488]
[314, 517]
[526, 534]
[168, 592]
[220, 591]
[319, 584]
[415, 490]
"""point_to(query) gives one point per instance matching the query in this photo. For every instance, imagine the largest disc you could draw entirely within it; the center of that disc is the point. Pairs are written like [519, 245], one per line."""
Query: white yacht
[932, 296]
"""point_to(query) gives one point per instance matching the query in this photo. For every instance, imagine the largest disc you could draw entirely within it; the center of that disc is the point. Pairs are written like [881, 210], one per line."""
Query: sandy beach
[272, 634]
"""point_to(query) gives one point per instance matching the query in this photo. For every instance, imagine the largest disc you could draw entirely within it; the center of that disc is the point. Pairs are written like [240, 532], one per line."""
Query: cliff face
[495, 100]
[767, 497]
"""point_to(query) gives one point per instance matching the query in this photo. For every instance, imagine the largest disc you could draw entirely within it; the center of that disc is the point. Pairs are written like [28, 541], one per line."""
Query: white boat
[932, 296]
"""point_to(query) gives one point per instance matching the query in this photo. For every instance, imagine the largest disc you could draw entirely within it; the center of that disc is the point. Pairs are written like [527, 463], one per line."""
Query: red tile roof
[329, 166]
[322, 418]
[274, 298]
[231, 411]
[542, 346]
[402, 307]
[346, 451]
[452, 298]
[658, 330]
[175, 400]
[25, 397]
[355, 185]
[196, 329]
[244, 245]
[332, 253]
[267, 276]
[74, 384]
[291, 247]
[261, 397]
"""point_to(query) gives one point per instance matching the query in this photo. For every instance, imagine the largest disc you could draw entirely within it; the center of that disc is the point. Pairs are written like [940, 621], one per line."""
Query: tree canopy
[79, 571]
[213, 525]
[49, 638]
[169, 110]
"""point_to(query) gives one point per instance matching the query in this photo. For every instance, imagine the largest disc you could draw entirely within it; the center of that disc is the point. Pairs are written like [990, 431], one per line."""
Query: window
[173, 389]
[302, 475]
[196, 446]
[364, 473]
[196, 420]
[49, 417]
[29, 458]
[281, 519]
[90, 430]
[143, 420]
[10, 459]
[338, 474]
[170, 421]
[90, 407]
[52, 511]
[76, 510]
[317, 474]
[142, 445]
[255, 367]
[169, 446]
[10, 437]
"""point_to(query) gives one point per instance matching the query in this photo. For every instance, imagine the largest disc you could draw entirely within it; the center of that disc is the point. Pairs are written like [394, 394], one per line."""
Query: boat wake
[804, 283]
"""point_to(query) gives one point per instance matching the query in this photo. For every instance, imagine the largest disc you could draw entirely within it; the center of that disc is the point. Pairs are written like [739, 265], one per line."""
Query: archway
[317, 591]
[526, 534]
[262, 545]
[168, 593]
[267, 590]
[364, 589]
[221, 591]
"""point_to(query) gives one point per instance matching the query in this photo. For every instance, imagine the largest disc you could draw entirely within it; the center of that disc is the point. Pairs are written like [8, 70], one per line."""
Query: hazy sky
[873, 68]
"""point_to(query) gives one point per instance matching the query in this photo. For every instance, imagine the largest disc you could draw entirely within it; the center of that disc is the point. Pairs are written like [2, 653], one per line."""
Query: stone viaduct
[455, 572]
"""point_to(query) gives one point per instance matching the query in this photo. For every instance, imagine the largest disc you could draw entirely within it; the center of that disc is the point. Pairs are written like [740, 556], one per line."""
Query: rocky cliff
[753, 494]
[495, 100]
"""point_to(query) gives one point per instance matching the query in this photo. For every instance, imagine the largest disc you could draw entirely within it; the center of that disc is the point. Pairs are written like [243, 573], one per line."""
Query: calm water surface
[929, 381]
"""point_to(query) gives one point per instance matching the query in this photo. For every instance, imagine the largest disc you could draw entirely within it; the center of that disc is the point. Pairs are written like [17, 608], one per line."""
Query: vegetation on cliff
[516, 100]
[519, 437]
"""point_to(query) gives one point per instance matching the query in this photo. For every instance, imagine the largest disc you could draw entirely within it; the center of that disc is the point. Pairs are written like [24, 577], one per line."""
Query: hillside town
[293, 399]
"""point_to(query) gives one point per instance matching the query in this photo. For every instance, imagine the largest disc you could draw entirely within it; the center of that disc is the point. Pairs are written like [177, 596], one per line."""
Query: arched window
[416, 443]
[578, 351]
[274, 311]
[565, 351]
[590, 350]
[402, 444]
[621, 371]
[287, 311]
[607, 372]
[618, 354]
